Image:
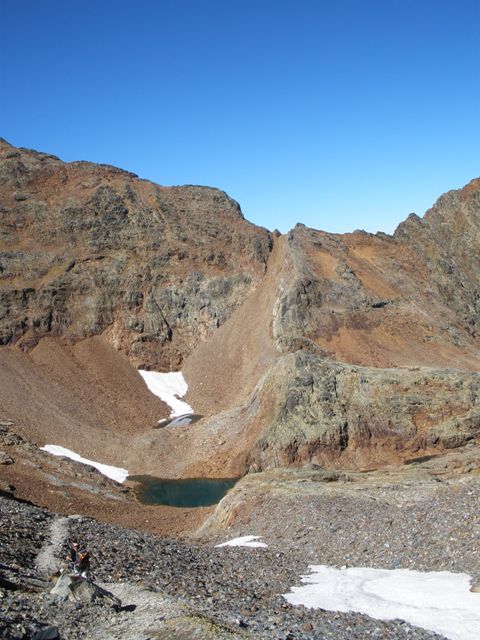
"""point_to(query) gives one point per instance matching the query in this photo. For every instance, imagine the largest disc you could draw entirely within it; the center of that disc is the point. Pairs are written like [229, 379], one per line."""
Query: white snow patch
[245, 541]
[115, 473]
[437, 601]
[169, 387]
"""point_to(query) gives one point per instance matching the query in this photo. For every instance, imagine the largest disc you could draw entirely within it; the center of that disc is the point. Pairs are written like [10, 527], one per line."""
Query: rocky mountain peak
[91, 248]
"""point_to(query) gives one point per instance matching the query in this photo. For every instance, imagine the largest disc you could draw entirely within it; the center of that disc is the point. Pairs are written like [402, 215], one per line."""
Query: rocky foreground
[186, 589]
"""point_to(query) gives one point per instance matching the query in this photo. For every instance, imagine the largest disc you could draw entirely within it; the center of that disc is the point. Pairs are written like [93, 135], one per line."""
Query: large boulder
[76, 588]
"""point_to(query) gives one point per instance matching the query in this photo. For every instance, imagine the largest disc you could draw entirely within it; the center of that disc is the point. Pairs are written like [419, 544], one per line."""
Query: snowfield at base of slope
[169, 387]
[114, 473]
[438, 601]
[244, 541]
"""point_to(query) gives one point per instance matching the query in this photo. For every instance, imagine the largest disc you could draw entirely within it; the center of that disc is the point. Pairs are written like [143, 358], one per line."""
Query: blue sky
[338, 114]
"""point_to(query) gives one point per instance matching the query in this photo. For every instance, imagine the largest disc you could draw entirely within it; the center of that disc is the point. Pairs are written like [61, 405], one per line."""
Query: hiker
[79, 559]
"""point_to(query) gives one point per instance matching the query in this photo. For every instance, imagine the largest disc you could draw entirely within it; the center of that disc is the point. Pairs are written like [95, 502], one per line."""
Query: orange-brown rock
[90, 249]
[352, 350]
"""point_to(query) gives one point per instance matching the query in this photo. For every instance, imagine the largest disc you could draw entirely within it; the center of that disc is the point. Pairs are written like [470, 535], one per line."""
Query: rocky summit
[337, 375]
[90, 249]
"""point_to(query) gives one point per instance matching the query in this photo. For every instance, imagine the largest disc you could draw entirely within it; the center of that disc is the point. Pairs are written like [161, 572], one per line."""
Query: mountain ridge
[351, 351]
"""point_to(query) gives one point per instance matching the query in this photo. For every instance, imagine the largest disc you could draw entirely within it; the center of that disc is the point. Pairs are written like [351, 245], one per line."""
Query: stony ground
[182, 589]
[413, 517]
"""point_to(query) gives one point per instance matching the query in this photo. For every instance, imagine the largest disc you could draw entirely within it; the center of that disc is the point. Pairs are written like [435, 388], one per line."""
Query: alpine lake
[192, 492]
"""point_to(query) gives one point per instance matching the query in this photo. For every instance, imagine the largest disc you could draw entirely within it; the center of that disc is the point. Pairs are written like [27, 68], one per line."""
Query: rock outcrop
[337, 414]
[380, 343]
[376, 347]
[89, 249]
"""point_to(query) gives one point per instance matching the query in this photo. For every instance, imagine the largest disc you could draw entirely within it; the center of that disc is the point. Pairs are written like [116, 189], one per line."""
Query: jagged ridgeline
[351, 350]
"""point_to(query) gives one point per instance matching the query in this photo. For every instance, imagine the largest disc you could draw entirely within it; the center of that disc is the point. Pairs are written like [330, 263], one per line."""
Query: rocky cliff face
[380, 342]
[410, 299]
[349, 416]
[352, 350]
[89, 249]
[376, 344]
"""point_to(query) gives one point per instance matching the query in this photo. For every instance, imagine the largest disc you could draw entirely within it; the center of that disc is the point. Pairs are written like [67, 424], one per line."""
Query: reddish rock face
[382, 301]
[89, 249]
[381, 342]
[352, 350]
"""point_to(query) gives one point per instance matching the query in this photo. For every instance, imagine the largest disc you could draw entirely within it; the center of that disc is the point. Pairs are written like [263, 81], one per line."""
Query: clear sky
[340, 114]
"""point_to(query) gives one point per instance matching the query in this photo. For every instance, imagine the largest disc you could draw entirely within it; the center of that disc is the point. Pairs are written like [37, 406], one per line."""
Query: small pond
[179, 421]
[193, 492]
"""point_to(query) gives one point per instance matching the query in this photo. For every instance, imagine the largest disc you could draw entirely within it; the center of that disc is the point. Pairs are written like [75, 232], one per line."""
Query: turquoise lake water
[193, 492]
